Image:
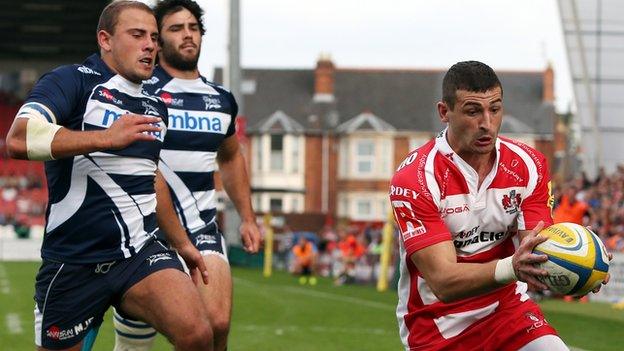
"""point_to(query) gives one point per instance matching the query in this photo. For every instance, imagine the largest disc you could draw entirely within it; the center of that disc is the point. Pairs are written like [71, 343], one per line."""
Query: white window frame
[367, 158]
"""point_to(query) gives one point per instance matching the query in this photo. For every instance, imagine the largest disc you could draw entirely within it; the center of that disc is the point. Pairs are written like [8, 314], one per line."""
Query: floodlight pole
[588, 91]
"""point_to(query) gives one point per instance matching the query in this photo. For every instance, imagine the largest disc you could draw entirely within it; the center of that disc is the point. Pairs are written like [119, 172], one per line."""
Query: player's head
[181, 28]
[472, 106]
[127, 35]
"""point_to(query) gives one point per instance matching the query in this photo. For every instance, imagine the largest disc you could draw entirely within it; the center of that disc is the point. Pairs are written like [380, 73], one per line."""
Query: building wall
[313, 164]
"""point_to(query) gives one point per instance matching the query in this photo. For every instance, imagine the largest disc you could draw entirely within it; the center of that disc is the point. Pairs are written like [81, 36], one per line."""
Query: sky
[417, 34]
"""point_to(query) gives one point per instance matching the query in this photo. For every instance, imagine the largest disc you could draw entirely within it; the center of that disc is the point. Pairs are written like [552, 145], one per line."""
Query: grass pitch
[278, 314]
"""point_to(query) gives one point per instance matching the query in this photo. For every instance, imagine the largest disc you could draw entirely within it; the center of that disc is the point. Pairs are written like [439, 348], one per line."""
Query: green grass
[278, 314]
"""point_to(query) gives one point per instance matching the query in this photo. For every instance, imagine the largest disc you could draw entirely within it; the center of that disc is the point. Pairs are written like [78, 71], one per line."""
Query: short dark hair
[110, 14]
[167, 7]
[470, 76]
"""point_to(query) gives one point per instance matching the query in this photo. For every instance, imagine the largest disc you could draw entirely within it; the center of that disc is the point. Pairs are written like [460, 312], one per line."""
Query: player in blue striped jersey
[200, 139]
[101, 135]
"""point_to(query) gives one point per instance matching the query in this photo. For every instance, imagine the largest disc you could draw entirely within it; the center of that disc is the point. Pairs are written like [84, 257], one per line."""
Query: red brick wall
[401, 148]
[313, 163]
[363, 185]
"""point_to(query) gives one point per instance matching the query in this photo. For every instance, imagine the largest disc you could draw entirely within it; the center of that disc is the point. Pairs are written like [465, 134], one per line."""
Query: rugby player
[469, 205]
[200, 139]
[101, 135]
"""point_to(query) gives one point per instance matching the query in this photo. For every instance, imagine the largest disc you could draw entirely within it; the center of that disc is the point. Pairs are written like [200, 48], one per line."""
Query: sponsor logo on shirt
[538, 322]
[111, 116]
[87, 70]
[105, 93]
[405, 192]
[409, 225]
[170, 100]
[454, 210]
[511, 202]
[152, 80]
[195, 123]
[470, 238]
[56, 333]
[211, 103]
[510, 172]
[150, 110]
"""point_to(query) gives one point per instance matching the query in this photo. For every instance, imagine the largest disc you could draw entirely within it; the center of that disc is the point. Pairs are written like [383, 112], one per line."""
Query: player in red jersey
[469, 206]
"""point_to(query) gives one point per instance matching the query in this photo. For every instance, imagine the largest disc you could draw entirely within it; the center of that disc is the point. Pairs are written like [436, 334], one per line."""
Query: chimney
[548, 79]
[324, 79]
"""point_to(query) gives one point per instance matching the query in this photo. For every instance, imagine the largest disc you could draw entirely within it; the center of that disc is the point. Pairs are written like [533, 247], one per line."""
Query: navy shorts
[71, 299]
[208, 240]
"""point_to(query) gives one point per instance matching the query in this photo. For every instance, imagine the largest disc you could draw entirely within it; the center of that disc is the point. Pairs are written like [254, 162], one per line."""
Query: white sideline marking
[5, 286]
[14, 323]
[325, 295]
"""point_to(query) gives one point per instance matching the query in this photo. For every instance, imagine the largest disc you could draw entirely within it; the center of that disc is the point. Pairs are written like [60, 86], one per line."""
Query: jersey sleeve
[416, 215]
[59, 92]
[538, 205]
[234, 112]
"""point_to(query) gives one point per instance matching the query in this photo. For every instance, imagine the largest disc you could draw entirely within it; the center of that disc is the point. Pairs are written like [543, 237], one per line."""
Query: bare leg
[217, 298]
[168, 301]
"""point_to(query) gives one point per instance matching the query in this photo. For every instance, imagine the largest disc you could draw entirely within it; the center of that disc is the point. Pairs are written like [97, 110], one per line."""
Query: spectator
[351, 250]
[305, 259]
[570, 209]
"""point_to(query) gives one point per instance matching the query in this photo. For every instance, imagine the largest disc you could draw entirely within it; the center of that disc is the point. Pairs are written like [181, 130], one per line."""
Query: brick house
[327, 140]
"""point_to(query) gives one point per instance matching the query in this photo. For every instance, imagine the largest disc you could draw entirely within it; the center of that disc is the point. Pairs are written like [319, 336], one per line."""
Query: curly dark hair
[167, 7]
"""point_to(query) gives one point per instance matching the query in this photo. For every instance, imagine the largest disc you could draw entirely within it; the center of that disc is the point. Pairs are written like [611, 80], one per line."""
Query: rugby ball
[577, 259]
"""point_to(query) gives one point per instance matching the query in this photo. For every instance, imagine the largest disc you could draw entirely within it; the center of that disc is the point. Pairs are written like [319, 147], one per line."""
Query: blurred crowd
[348, 254]
[23, 196]
[597, 203]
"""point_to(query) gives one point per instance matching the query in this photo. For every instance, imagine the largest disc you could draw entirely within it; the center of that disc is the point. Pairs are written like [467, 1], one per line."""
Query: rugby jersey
[101, 205]
[436, 197]
[201, 116]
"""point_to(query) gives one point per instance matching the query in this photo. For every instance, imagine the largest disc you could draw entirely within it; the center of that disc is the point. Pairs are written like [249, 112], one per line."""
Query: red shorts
[512, 326]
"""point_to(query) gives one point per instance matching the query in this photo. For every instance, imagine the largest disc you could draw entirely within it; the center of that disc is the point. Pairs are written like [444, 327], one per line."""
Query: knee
[221, 325]
[199, 337]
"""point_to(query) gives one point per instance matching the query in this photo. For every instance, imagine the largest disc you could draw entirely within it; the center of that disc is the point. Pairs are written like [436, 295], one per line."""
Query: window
[275, 204]
[364, 208]
[295, 154]
[365, 155]
[257, 150]
[255, 202]
[343, 166]
[295, 205]
[386, 157]
[384, 207]
[343, 207]
[277, 152]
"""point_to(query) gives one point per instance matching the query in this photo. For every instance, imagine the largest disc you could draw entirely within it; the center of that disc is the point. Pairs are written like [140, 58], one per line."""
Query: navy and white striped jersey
[101, 205]
[201, 116]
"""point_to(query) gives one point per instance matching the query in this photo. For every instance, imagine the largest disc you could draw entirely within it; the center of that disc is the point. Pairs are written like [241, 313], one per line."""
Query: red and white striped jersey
[436, 197]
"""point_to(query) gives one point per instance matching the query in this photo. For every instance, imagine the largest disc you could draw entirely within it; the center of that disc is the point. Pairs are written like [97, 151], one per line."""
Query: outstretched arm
[35, 138]
[236, 184]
